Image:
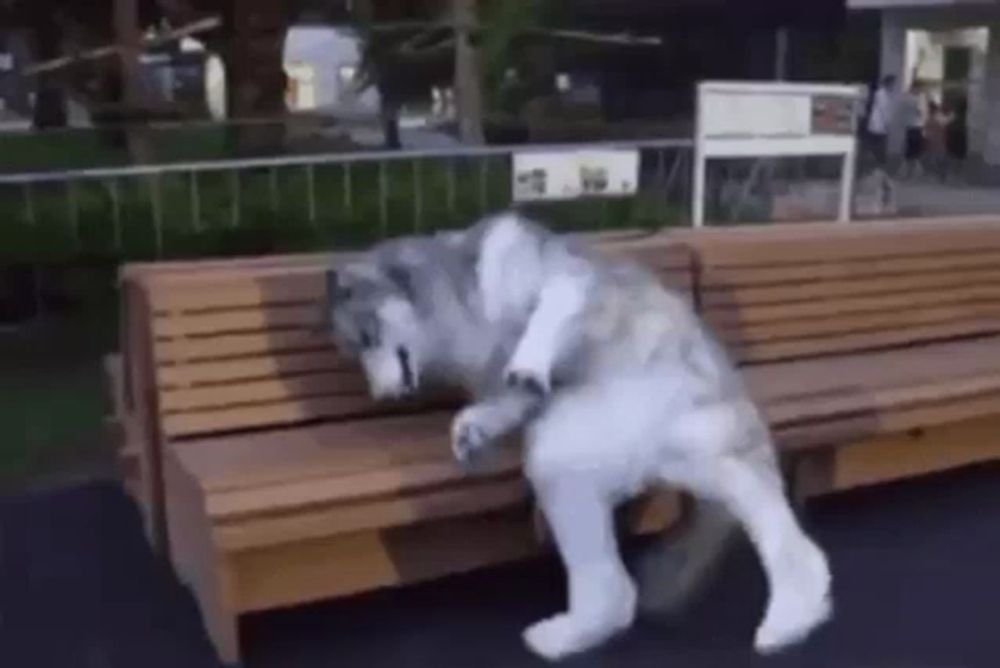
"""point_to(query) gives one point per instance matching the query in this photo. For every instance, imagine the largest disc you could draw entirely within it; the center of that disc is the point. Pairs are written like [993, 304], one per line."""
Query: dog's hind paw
[562, 636]
[552, 639]
[800, 602]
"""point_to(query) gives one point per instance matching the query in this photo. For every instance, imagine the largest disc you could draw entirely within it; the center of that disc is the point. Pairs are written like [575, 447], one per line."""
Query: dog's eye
[367, 340]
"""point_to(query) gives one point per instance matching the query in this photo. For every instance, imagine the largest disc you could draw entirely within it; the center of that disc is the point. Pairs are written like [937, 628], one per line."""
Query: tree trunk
[255, 75]
[390, 125]
[468, 86]
[18, 87]
[50, 97]
[133, 101]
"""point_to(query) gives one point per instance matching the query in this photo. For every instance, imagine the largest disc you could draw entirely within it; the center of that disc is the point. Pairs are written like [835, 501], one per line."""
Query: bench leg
[812, 475]
[197, 562]
[223, 631]
[895, 456]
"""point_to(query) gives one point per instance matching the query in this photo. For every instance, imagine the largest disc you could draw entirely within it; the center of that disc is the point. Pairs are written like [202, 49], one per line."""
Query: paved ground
[929, 198]
[915, 564]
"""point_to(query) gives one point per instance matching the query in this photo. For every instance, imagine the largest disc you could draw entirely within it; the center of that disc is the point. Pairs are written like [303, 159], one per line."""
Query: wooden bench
[270, 476]
[873, 349]
[882, 339]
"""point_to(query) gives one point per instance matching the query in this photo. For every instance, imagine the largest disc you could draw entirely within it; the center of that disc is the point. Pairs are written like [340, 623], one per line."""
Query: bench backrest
[242, 345]
[792, 291]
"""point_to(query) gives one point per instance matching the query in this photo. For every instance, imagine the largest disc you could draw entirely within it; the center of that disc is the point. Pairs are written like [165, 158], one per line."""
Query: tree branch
[197, 27]
[600, 37]
[580, 35]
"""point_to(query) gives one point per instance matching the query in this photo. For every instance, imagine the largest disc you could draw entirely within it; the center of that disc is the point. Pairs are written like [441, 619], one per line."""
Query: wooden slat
[879, 401]
[756, 352]
[278, 389]
[340, 565]
[897, 322]
[271, 414]
[767, 245]
[309, 316]
[835, 432]
[862, 372]
[971, 297]
[250, 461]
[743, 296]
[718, 276]
[244, 345]
[263, 367]
[242, 291]
[152, 271]
[378, 481]
[392, 511]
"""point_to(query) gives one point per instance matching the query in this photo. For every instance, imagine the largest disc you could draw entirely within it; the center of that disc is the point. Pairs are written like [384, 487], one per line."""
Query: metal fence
[295, 202]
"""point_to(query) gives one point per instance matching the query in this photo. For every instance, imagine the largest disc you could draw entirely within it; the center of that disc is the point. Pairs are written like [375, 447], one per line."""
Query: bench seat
[344, 477]
[951, 380]
[808, 403]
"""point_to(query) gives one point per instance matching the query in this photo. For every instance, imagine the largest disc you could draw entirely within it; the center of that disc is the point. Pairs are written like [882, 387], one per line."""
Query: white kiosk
[747, 119]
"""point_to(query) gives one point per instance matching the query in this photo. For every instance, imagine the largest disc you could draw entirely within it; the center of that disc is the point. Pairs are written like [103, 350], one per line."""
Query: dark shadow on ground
[914, 566]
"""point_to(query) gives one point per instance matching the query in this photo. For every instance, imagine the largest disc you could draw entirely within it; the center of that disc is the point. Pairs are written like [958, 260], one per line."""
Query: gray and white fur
[617, 387]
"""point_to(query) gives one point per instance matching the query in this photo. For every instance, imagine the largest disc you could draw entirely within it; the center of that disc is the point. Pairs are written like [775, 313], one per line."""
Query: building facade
[953, 47]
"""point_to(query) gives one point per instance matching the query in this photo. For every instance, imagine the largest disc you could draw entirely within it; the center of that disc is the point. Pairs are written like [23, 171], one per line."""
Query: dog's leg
[743, 475]
[797, 571]
[602, 598]
[479, 426]
[548, 333]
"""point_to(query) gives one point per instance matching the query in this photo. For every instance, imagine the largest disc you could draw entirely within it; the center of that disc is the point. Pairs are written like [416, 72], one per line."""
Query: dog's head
[373, 320]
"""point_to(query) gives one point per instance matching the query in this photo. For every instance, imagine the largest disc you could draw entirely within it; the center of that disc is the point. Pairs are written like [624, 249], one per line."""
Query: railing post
[195, 203]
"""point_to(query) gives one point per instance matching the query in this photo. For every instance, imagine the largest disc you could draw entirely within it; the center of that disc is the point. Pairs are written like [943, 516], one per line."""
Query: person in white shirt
[880, 119]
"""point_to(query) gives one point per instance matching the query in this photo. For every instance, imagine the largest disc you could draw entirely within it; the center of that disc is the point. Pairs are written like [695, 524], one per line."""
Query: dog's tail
[674, 570]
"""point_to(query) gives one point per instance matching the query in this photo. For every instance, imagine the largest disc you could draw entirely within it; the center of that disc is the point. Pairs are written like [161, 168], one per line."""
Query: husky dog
[616, 385]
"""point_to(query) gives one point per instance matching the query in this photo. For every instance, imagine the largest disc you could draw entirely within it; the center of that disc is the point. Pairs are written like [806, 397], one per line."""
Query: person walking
[957, 139]
[880, 119]
[935, 141]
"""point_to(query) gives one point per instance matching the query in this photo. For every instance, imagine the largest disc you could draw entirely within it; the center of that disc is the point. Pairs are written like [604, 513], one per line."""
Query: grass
[80, 148]
[51, 402]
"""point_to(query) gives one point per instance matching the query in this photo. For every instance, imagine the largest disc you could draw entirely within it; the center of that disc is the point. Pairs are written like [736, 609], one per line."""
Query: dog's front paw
[469, 439]
[528, 380]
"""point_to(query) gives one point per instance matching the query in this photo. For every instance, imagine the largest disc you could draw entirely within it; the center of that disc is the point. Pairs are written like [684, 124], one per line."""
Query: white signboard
[770, 119]
[738, 115]
[560, 175]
